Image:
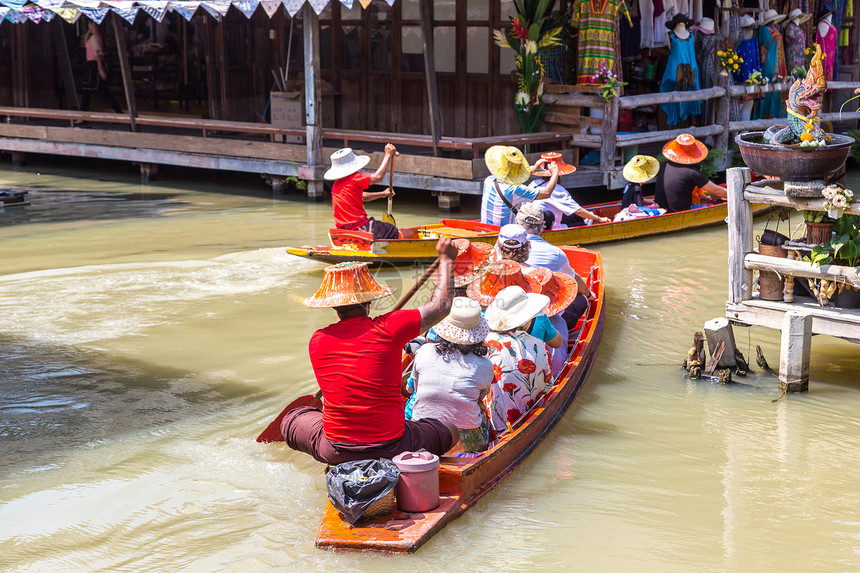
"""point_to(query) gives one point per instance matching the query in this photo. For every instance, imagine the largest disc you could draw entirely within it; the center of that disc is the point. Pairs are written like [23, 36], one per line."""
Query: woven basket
[380, 507]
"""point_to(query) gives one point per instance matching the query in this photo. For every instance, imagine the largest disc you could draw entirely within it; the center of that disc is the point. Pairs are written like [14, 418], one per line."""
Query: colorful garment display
[597, 23]
[706, 48]
[795, 45]
[772, 64]
[521, 374]
[682, 74]
[748, 50]
[828, 46]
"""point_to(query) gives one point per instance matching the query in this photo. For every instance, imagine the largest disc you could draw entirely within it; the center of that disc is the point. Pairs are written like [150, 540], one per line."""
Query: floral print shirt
[521, 373]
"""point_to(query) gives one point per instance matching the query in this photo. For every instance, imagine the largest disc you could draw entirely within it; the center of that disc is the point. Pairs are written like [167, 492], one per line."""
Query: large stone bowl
[793, 162]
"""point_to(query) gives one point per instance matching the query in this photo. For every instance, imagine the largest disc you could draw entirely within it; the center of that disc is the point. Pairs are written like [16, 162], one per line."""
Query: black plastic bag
[354, 486]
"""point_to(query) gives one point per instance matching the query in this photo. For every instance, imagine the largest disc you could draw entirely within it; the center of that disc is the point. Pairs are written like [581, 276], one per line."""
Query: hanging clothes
[772, 64]
[748, 51]
[828, 46]
[795, 45]
[706, 48]
[631, 36]
[682, 74]
[646, 23]
[732, 33]
[596, 20]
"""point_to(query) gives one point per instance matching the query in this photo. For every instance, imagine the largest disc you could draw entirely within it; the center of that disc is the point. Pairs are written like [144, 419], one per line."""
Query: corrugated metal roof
[18, 11]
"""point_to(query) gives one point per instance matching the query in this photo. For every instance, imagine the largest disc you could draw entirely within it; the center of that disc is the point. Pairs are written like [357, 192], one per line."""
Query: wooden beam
[740, 234]
[793, 267]
[313, 100]
[61, 50]
[661, 136]
[125, 69]
[575, 100]
[430, 72]
[608, 133]
[722, 118]
[632, 102]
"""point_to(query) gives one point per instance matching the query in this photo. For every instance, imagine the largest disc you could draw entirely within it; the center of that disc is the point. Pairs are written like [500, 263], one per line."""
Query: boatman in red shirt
[357, 365]
[349, 192]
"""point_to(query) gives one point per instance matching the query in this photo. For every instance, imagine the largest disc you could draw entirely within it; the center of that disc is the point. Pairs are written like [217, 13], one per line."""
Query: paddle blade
[388, 218]
[272, 433]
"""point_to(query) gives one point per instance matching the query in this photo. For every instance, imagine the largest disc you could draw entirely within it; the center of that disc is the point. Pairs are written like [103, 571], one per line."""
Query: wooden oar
[272, 433]
[388, 217]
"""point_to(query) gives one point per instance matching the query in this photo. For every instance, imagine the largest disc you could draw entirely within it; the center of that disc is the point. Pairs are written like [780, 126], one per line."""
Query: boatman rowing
[357, 365]
[349, 192]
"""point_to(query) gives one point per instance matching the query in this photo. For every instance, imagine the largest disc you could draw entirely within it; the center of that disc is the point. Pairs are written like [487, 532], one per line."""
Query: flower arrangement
[534, 27]
[608, 81]
[836, 198]
[730, 61]
[756, 79]
[798, 73]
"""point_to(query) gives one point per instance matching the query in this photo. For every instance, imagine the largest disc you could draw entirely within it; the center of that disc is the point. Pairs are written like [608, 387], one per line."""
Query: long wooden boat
[464, 481]
[418, 244]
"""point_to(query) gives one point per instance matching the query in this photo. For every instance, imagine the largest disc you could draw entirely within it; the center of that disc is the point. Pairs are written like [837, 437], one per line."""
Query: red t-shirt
[347, 198]
[357, 365]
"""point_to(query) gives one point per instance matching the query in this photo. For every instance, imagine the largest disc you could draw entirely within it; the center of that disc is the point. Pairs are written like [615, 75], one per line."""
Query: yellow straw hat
[641, 169]
[507, 164]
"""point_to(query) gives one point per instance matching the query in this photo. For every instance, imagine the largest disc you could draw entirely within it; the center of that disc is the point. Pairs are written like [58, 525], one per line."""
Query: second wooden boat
[418, 244]
[464, 481]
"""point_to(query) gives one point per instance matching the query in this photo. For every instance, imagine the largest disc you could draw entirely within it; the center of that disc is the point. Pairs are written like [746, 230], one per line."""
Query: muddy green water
[147, 334]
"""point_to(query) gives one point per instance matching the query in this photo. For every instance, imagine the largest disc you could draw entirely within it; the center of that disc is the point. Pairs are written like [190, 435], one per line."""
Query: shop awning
[18, 11]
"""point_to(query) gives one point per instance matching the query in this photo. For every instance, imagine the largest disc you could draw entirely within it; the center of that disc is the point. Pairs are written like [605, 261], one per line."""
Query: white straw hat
[772, 16]
[514, 307]
[344, 162]
[747, 21]
[464, 324]
[798, 14]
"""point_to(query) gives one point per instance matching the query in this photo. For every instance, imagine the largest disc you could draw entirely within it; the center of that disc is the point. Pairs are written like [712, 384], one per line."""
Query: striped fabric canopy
[18, 11]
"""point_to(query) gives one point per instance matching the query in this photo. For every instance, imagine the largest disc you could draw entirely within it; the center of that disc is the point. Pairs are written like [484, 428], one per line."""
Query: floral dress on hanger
[795, 45]
[828, 46]
[682, 74]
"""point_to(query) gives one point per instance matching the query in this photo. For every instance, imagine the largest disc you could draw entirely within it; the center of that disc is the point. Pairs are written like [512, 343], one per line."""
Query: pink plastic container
[418, 488]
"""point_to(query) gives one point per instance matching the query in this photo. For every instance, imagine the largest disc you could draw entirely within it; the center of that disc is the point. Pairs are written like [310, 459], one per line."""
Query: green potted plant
[842, 249]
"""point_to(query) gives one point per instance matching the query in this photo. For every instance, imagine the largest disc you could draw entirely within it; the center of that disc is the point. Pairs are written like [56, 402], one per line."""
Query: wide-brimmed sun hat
[705, 26]
[554, 157]
[344, 162]
[561, 288]
[641, 169]
[772, 16]
[685, 149]
[679, 19]
[345, 284]
[799, 15]
[464, 324]
[513, 307]
[500, 275]
[747, 21]
[530, 214]
[507, 164]
[471, 262]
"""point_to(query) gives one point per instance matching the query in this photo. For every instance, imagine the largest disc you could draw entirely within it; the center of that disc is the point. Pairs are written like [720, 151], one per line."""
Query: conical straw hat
[641, 169]
[345, 284]
[561, 288]
[507, 164]
[500, 274]
[685, 149]
[471, 261]
[554, 157]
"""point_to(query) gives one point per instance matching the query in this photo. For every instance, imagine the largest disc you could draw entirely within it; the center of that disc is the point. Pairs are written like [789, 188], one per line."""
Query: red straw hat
[499, 275]
[685, 149]
[561, 288]
[347, 283]
[470, 262]
[554, 157]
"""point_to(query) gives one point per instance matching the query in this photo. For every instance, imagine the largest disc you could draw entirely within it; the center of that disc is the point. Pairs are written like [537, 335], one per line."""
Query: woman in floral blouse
[521, 367]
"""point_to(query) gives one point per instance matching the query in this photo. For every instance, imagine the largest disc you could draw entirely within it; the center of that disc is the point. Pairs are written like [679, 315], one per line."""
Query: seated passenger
[453, 375]
[503, 190]
[561, 208]
[639, 170]
[521, 370]
[678, 182]
[561, 290]
[357, 364]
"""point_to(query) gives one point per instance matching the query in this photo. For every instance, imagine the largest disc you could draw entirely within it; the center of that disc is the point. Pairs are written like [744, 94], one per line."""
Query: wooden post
[313, 102]
[720, 330]
[609, 143]
[125, 69]
[448, 202]
[212, 63]
[430, 73]
[740, 234]
[794, 351]
[722, 107]
[61, 49]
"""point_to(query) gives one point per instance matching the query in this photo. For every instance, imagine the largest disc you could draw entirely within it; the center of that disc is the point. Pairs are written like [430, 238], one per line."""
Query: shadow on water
[54, 399]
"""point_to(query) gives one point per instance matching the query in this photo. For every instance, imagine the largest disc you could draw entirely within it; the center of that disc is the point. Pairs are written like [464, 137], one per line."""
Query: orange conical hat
[471, 261]
[499, 275]
[561, 288]
[554, 157]
[345, 284]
